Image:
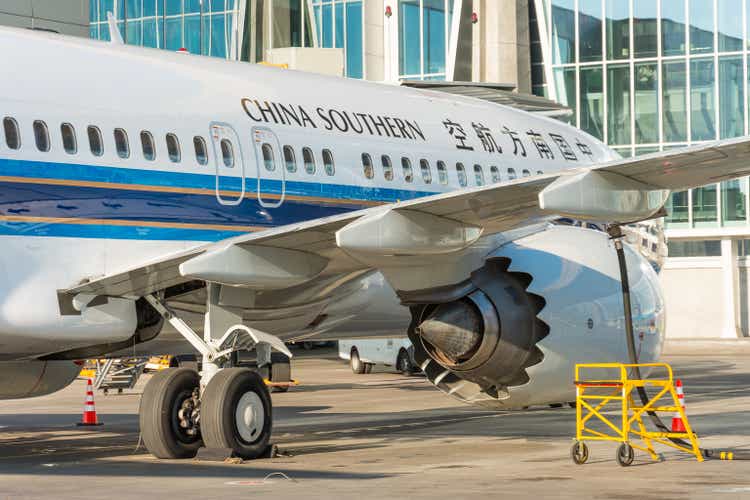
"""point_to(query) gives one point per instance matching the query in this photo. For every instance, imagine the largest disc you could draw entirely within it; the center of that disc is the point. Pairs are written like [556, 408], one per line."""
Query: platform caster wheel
[579, 452]
[625, 454]
[357, 365]
[165, 414]
[236, 413]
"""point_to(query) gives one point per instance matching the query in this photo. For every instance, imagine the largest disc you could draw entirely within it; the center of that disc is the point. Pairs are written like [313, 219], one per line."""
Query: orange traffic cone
[677, 424]
[89, 410]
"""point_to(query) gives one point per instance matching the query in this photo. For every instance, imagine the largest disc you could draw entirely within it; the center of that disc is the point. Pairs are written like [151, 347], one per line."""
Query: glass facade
[423, 34]
[207, 27]
[652, 75]
[339, 24]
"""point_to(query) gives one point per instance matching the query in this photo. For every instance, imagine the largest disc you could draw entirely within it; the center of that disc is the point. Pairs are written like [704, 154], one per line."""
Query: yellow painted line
[180, 190]
[128, 223]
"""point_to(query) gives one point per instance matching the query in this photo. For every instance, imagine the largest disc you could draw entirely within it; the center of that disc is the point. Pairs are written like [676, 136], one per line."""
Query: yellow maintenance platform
[605, 400]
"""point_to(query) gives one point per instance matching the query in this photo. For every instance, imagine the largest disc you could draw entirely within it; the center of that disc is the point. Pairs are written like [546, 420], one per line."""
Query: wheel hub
[249, 417]
[189, 414]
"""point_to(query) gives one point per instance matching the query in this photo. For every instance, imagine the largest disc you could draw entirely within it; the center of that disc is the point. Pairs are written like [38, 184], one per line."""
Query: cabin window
[328, 162]
[227, 153]
[309, 160]
[367, 166]
[41, 136]
[385, 160]
[478, 175]
[424, 166]
[495, 174]
[268, 160]
[96, 144]
[173, 148]
[121, 143]
[147, 145]
[12, 134]
[442, 172]
[290, 160]
[406, 167]
[525, 173]
[68, 133]
[539, 172]
[512, 173]
[201, 153]
[461, 172]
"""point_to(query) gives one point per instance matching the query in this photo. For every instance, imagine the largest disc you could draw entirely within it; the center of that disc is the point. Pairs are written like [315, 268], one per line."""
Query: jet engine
[25, 379]
[510, 335]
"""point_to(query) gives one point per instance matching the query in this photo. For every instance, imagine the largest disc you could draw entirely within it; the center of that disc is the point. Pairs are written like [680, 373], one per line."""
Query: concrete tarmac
[376, 436]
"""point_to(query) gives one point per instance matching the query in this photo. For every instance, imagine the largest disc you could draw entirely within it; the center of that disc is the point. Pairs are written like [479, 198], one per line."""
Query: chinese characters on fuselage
[538, 140]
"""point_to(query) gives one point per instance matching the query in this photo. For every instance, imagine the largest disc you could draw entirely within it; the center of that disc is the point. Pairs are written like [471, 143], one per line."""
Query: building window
[41, 136]
[12, 134]
[269, 162]
[339, 24]
[406, 167]
[68, 133]
[646, 103]
[121, 143]
[367, 166]
[201, 155]
[95, 140]
[618, 29]
[734, 202]
[290, 160]
[592, 101]
[328, 165]
[442, 172]
[731, 97]
[173, 148]
[308, 158]
[645, 37]
[701, 26]
[424, 166]
[673, 19]
[706, 248]
[385, 161]
[618, 104]
[227, 153]
[674, 101]
[463, 181]
[702, 92]
[423, 31]
[201, 26]
[563, 31]
[147, 144]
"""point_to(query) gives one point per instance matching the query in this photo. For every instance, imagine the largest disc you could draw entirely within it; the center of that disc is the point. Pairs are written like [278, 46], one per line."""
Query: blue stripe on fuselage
[64, 199]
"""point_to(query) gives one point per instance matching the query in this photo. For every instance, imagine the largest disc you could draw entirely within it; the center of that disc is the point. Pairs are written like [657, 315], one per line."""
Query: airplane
[154, 202]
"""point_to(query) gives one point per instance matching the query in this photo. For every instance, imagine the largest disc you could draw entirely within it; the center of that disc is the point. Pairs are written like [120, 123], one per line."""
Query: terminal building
[641, 75]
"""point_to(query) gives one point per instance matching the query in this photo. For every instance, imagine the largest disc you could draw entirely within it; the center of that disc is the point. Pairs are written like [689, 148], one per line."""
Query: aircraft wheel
[236, 413]
[356, 363]
[625, 454]
[165, 414]
[403, 363]
[579, 452]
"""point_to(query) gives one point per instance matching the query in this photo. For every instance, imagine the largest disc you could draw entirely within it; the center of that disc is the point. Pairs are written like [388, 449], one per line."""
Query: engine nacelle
[510, 336]
[26, 379]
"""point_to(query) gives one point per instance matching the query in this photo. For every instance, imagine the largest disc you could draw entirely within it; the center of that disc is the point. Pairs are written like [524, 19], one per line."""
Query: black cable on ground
[615, 233]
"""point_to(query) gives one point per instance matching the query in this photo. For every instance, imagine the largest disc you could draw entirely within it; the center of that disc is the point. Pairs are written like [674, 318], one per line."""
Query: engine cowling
[26, 379]
[510, 336]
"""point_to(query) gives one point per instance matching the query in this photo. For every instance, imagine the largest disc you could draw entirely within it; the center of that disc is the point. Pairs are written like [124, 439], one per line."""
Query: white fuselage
[280, 147]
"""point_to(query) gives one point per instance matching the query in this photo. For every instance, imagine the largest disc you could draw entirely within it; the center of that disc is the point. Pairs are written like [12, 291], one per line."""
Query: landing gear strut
[223, 407]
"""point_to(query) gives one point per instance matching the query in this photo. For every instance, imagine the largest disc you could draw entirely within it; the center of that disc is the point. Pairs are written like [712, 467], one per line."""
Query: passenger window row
[12, 134]
[442, 171]
[290, 159]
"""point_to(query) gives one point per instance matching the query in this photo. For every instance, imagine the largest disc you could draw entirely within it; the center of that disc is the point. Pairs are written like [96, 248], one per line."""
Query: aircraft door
[230, 165]
[271, 172]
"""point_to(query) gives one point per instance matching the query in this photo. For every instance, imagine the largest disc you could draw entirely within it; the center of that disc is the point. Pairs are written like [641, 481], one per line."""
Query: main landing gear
[225, 406]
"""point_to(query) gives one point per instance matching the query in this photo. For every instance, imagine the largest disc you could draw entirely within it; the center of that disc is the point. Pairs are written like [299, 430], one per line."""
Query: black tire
[625, 454]
[160, 402]
[357, 365]
[403, 363]
[219, 422]
[579, 452]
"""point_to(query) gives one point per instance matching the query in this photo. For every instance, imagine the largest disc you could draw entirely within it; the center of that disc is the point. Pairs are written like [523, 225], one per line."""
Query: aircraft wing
[623, 191]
